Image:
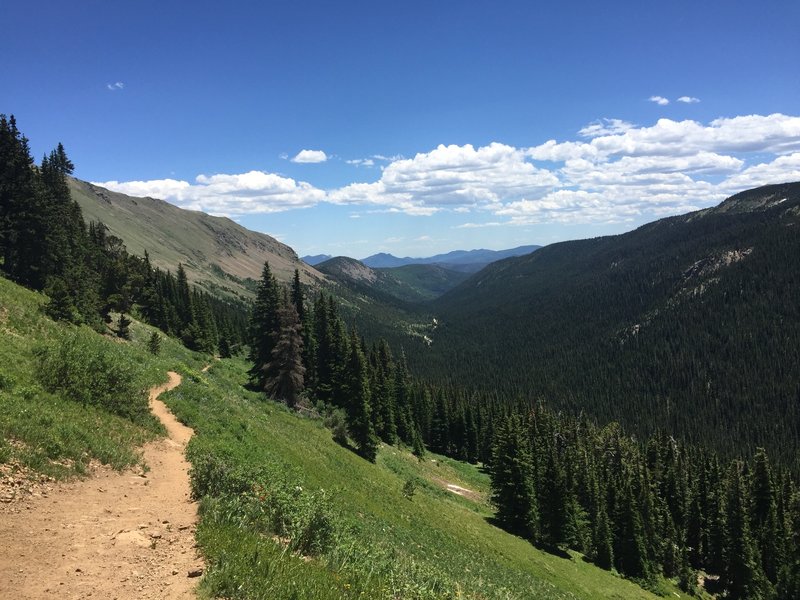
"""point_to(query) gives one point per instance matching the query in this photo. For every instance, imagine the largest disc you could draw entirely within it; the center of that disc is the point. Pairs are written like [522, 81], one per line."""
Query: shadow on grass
[554, 550]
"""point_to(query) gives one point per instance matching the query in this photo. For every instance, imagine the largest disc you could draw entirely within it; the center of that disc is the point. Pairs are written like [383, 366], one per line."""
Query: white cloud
[480, 225]
[618, 172]
[450, 177]
[115, 86]
[782, 169]
[688, 99]
[660, 100]
[361, 162]
[310, 156]
[245, 193]
[605, 127]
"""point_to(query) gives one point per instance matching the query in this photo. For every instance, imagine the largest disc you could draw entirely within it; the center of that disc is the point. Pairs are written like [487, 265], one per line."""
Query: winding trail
[114, 535]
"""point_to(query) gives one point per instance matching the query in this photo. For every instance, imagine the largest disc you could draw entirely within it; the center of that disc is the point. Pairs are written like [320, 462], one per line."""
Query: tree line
[658, 508]
[85, 271]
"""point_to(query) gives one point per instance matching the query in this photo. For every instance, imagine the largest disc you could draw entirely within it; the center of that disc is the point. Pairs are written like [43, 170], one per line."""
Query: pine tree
[764, 516]
[512, 484]
[357, 404]
[123, 327]
[284, 373]
[789, 577]
[602, 546]
[742, 577]
[154, 343]
[264, 325]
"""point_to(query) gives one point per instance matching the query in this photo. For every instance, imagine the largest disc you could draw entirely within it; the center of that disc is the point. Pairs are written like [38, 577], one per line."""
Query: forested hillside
[87, 272]
[689, 325]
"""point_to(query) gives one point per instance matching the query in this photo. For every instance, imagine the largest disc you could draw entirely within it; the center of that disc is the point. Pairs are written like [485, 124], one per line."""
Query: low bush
[84, 368]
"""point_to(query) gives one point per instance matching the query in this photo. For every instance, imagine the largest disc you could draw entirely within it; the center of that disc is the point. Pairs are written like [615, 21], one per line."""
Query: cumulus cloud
[660, 100]
[613, 172]
[688, 99]
[450, 177]
[245, 193]
[115, 86]
[310, 156]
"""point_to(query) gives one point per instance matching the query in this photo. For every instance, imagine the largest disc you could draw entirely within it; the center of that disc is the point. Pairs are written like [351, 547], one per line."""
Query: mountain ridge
[468, 260]
[686, 321]
[217, 253]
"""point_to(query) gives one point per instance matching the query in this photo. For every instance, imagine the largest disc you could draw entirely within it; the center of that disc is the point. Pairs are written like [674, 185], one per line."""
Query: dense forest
[689, 325]
[650, 508]
[87, 272]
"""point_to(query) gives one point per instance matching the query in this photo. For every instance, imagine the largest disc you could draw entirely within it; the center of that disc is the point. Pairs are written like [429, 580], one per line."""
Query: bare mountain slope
[217, 253]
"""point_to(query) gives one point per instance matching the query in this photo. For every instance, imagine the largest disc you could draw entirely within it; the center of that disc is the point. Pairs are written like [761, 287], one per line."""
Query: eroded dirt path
[114, 535]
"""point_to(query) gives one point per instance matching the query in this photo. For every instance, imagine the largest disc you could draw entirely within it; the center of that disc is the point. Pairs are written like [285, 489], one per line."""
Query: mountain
[690, 324]
[430, 281]
[358, 277]
[468, 261]
[315, 259]
[218, 254]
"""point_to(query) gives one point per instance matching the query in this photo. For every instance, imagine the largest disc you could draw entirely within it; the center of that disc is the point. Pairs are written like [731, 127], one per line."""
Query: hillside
[217, 253]
[689, 324]
[268, 480]
[411, 284]
[430, 281]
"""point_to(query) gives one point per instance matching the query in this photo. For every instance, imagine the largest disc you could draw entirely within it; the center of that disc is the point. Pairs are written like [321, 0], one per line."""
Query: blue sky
[414, 127]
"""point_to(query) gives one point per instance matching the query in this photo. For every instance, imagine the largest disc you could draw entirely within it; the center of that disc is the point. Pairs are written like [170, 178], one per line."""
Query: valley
[609, 417]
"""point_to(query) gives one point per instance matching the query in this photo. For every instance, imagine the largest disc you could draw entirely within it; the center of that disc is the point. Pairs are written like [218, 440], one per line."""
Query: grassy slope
[209, 247]
[441, 537]
[433, 545]
[38, 429]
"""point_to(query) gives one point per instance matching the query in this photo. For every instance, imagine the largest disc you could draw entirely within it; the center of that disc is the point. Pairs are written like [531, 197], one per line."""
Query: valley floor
[114, 535]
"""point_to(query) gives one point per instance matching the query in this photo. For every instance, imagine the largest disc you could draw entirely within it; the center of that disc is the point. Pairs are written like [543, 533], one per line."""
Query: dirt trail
[115, 535]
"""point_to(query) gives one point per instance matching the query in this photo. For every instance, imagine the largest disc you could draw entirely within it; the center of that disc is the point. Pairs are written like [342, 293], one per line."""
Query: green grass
[46, 431]
[285, 512]
[383, 545]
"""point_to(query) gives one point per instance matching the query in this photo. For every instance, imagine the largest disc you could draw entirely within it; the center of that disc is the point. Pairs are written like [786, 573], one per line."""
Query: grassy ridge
[380, 544]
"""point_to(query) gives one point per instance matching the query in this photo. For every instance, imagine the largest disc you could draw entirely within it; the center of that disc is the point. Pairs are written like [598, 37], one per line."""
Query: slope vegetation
[689, 324]
[218, 254]
[286, 512]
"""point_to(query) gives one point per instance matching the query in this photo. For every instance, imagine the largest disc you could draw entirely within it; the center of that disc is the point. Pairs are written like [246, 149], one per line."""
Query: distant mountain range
[467, 261]
[315, 259]
[464, 261]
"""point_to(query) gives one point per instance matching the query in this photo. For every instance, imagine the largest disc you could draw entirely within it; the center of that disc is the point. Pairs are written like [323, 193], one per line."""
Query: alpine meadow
[429, 302]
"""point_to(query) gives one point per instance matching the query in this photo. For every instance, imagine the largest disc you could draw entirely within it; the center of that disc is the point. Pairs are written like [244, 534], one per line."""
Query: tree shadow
[554, 550]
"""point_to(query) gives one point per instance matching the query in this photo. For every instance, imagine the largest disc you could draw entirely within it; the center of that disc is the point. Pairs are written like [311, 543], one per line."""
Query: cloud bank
[614, 171]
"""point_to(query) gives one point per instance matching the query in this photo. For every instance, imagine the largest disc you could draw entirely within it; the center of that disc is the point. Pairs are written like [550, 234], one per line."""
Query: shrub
[336, 421]
[83, 368]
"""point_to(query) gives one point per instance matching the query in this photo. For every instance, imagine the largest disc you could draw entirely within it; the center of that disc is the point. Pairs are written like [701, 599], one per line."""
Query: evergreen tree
[742, 577]
[264, 325]
[154, 343]
[123, 327]
[284, 373]
[602, 547]
[358, 405]
[511, 474]
[764, 516]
